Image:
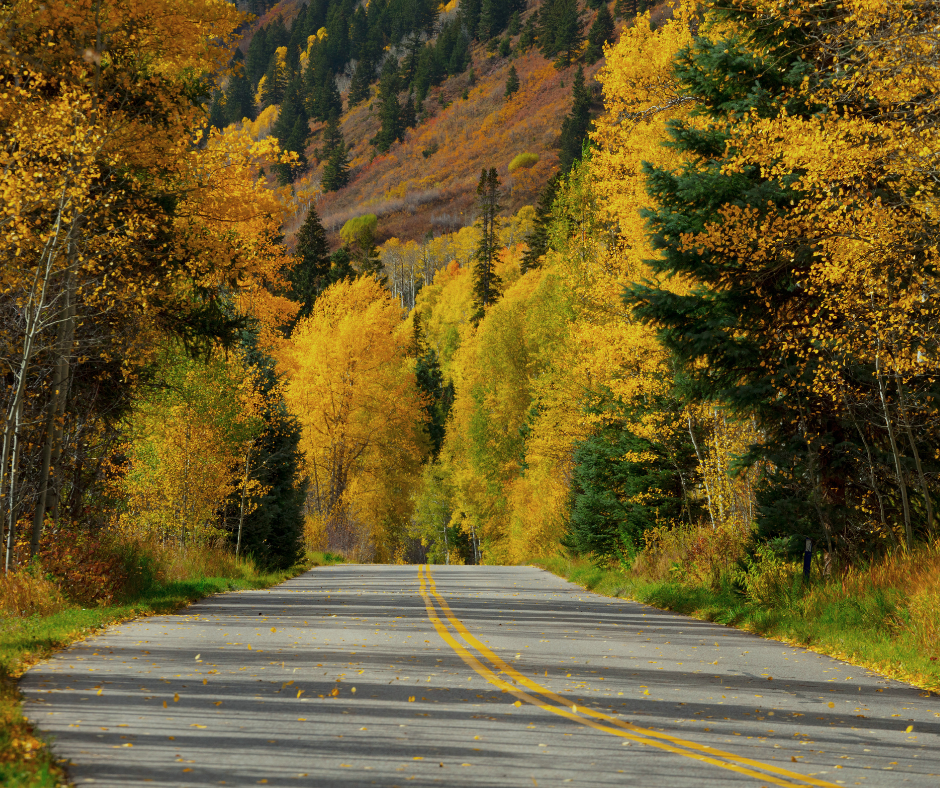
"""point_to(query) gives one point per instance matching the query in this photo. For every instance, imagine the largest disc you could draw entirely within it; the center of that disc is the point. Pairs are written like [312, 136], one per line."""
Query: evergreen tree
[310, 274]
[486, 27]
[217, 110]
[601, 32]
[530, 32]
[409, 115]
[576, 125]
[292, 130]
[505, 48]
[616, 499]
[470, 15]
[486, 282]
[724, 333]
[537, 239]
[429, 377]
[271, 532]
[336, 171]
[628, 9]
[568, 28]
[258, 56]
[515, 24]
[341, 266]
[239, 101]
[276, 79]
[362, 77]
[322, 96]
[512, 82]
[389, 108]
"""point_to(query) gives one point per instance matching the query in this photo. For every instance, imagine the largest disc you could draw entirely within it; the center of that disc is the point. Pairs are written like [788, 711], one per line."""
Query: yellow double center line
[502, 675]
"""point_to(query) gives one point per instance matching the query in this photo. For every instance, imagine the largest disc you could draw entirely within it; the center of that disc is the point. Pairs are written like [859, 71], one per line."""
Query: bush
[523, 161]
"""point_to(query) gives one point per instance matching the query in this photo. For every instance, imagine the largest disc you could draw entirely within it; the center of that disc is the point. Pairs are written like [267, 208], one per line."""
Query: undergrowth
[37, 617]
[884, 615]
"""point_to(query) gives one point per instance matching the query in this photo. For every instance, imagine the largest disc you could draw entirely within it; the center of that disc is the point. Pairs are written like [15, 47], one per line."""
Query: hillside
[425, 182]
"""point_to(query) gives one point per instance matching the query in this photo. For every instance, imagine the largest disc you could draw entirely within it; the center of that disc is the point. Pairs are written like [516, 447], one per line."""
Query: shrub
[523, 161]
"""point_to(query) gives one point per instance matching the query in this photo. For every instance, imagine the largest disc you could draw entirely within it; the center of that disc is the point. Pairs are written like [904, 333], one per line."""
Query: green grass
[26, 760]
[867, 628]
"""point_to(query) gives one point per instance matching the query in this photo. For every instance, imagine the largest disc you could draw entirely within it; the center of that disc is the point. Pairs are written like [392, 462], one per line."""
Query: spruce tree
[515, 24]
[409, 115]
[724, 332]
[486, 282]
[576, 125]
[258, 56]
[362, 78]
[272, 530]
[309, 276]
[601, 32]
[239, 101]
[341, 266]
[537, 239]
[336, 171]
[389, 108]
[530, 32]
[217, 110]
[568, 27]
[512, 82]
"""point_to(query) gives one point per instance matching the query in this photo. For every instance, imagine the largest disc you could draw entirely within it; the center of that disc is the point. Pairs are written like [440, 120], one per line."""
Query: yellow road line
[586, 716]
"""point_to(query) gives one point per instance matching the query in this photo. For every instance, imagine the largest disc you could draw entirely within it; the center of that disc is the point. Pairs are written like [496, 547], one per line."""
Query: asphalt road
[484, 676]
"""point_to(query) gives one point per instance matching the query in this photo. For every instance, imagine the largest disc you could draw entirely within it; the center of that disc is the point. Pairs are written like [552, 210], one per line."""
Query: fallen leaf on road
[176, 697]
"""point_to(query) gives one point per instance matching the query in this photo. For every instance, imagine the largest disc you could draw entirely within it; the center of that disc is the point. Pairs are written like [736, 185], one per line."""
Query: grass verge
[865, 624]
[26, 761]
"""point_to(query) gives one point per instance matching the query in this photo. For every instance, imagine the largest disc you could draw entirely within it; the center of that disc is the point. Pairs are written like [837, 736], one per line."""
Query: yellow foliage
[353, 390]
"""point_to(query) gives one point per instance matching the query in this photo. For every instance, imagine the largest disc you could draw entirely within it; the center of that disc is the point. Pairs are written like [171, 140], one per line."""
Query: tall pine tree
[486, 282]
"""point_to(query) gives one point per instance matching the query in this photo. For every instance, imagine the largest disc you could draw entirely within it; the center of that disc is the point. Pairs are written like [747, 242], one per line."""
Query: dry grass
[27, 593]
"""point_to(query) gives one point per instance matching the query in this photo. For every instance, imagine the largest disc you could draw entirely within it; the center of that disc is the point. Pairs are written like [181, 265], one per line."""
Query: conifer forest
[649, 284]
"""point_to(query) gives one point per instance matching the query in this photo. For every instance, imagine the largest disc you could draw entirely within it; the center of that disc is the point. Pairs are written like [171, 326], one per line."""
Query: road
[467, 676]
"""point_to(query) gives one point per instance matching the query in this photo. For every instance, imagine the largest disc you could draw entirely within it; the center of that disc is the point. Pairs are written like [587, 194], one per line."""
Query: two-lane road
[488, 676]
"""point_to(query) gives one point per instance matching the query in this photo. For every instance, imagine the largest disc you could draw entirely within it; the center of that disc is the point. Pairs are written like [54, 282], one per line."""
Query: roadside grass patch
[884, 616]
[36, 619]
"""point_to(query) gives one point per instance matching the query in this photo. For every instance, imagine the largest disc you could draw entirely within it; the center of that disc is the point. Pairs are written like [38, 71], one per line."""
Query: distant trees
[390, 130]
[601, 33]
[577, 123]
[335, 153]
[239, 103]
[486, 282]
[561, 31]
[309, 276]
[512, 82]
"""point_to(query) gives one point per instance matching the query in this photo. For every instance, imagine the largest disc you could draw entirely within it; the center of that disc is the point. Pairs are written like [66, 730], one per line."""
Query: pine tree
[309, 276]
[258, 56]
[239, 101]
[529, 35]
[272, 531]
[389, 108]
[568, 27]
[601, 33]
[537, 239]
[341, 266]
[725, 332]
[628, 9]
[336, 171]
[217, 110]
[512, 82]
[486, 282]
[576, 125]
[486, 27]
[292, 130]
[515, 24]
[409, 115]
[362, 78]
